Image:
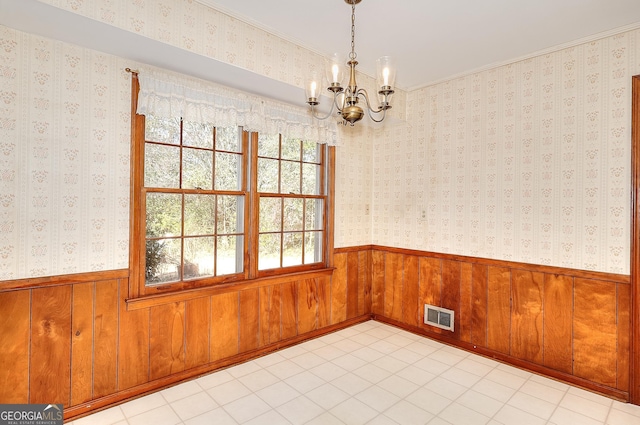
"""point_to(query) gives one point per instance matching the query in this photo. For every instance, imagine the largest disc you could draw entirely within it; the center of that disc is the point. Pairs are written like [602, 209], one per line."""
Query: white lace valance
[173, 96]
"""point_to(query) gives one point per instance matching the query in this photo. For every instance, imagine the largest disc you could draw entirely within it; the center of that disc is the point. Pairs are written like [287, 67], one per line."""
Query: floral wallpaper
[64, 158]
[528, 162]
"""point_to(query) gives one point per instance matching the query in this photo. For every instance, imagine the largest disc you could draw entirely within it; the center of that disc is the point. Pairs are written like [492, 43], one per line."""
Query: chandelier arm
[370, 110]
[364, 94]
[384, 114]
[313, 113]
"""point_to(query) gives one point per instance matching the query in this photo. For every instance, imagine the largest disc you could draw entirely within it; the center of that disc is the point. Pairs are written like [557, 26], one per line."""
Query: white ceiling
[434, 40]
[431, 40]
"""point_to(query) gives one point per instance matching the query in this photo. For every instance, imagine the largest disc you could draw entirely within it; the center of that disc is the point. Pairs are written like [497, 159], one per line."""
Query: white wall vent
[439, 317]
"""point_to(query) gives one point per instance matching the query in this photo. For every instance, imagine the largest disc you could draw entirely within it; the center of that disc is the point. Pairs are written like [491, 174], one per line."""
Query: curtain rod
[133, 71]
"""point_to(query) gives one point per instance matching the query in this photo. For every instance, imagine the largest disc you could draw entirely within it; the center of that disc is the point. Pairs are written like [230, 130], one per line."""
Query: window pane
[197, 169]
[269, 251]
[161, 166]
[268, 175]
[292, 249]
[197, 134]
[162, 130]
[292, 214]
[269, 146]
[291, 149]
[230, 216]
[164, 215]
[228, 171]
[313, 214]
[310, 179]
[312, 247]
[270, 214]
[229, 255]
[199, 215]
[228, 139]
[310, 152]
[290, 177]
[162, 261]
[198, 257]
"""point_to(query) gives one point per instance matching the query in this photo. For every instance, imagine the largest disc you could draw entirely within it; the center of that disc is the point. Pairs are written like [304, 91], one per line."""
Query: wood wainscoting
[77, 343]
[568, 324]
[76, 340]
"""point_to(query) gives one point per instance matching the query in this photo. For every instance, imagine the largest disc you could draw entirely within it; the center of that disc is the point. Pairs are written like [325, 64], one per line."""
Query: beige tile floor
[370, 373]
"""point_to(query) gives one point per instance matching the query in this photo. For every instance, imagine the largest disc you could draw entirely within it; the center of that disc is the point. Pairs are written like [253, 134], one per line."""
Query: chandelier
[346, 100]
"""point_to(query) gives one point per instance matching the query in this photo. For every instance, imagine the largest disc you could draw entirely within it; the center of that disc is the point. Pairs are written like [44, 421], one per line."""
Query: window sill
[190, 294]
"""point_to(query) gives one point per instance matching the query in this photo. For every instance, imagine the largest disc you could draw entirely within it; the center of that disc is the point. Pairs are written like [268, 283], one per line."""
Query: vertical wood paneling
[307, 306]
[479, 304]
[197, 331]
[594, 338]
[377, 282]
[50, 366]
[85, 334]
[166, 341]
[269, 315]
[352, 284]
[430, 274]
[133, 346]
[105, 328]
[289, 310]
[558, 322]
[249, 305]
[339, 290]
[224, 326]
[624, 329]
[324, 301]
[393, 274]
[410, 308]
[364, 285]
[526, 315]
[465, 301]
[82, 343]
[14, 356]
[451, 292]
[499, 309]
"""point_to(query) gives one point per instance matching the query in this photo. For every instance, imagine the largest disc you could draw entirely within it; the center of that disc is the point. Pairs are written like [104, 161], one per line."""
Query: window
[291, 198]
[194, 196]
[214, 205]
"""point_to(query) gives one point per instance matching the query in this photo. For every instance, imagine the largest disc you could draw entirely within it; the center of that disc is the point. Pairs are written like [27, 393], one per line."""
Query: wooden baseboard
[119, 397]
[503, 358]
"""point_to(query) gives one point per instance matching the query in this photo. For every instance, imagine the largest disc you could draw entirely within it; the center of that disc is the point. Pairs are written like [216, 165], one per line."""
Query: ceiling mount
[352, 1]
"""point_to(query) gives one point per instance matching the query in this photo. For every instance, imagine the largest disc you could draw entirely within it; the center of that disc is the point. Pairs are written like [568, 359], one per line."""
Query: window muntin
[291, 201]
[194, 201]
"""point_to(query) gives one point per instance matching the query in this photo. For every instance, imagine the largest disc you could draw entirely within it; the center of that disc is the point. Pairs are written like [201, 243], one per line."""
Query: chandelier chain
[353, 54]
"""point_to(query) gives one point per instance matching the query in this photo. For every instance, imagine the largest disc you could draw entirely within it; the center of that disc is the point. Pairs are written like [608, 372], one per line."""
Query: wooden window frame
[140, 293]
[255, 202]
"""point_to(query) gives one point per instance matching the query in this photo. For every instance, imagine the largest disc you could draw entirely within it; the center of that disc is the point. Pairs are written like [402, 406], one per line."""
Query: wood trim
[634, 343]
[65, 279]
[353, 248]
[331, 201]
[136, 251]
[252, 206]
[75, 412]
[190, 294]
[583, 274]
[504, 358]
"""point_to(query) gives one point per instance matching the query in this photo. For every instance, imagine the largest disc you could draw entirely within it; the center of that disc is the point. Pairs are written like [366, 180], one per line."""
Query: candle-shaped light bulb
[314, 89]
[334, 71]
[385, 76]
